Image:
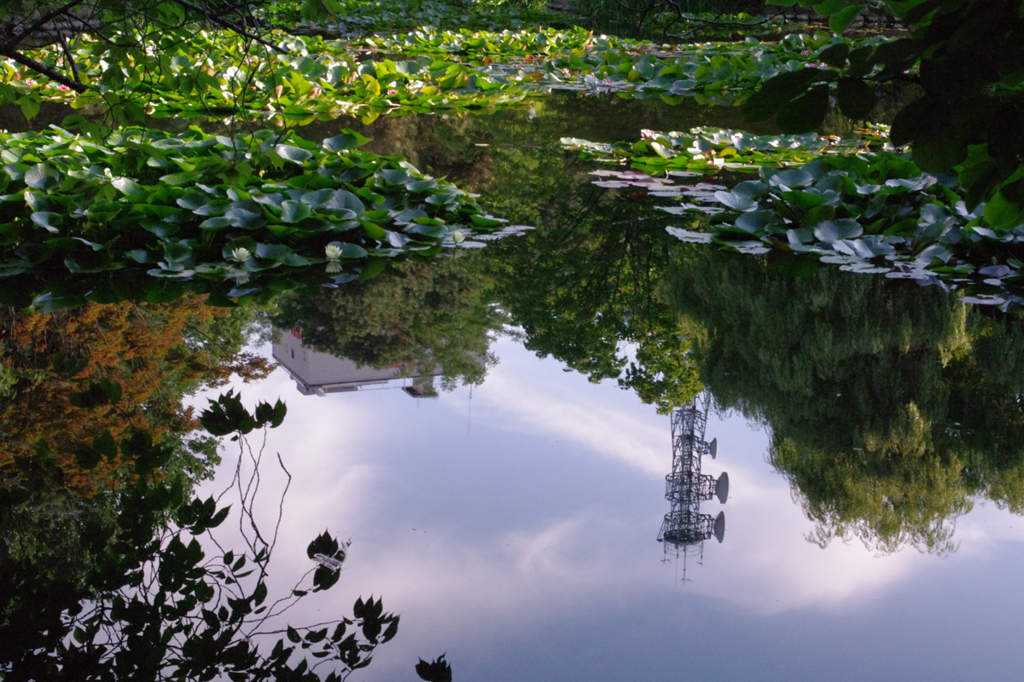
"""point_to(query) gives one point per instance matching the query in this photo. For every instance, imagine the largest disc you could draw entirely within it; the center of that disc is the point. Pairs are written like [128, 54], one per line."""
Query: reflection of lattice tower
[686, 487]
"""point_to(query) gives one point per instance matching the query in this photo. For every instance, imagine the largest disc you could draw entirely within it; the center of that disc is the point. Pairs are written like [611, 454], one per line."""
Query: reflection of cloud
[585, 558]
[635, 437]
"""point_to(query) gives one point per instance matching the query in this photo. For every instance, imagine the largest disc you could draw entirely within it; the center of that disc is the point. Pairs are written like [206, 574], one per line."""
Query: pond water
[507, 503]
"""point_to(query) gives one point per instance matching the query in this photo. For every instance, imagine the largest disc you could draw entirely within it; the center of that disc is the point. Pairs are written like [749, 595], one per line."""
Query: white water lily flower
[458, 237]
[241, 254]
[333, 252]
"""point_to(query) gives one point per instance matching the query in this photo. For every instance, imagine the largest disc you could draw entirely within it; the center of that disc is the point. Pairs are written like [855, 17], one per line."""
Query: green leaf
[49, 220]
[835, 55]
[348, 139]
[840, 21]
[349, 250]
[29, 106]
[38, 176]
[293, 154]
[127, 186]
[829, 7]
[1003, 214]
[856, 98]
[294, 211]
[278, 252]
[805, 113]
[780, 90]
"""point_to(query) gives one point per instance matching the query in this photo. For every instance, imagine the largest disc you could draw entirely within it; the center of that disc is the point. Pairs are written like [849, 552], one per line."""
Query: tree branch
[227, 23]
[50, 73]
[70, 58]
[46, 18]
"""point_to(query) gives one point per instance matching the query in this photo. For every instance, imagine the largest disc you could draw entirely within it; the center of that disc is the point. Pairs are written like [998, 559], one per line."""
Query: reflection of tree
[103, 576]
[889, 405]
[583, 287]
[60, 467]
[144, 601]
[155, 354]
[424, 316]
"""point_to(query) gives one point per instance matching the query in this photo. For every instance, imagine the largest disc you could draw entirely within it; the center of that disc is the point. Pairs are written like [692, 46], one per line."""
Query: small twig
[70, 58]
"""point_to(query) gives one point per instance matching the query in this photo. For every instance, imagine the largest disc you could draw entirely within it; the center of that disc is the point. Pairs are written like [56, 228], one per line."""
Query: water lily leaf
[829, 231]
[793, 177]
[348, 139]
[240, 217]
[373, 230]
[758, 221]
[38, 176]
[127, 186]
[397, 239]
[294, 211]
[278, 252]
[193, 200]
[317, 198]
[421, 185]
[752, 189]
[50, 221]
[271, 199]
[690, 236]
[345, 200]
[215, 223]
[803, 200]
[293, 154]
[178, 251]
[735, 201]
[486, 221]
[394, 175]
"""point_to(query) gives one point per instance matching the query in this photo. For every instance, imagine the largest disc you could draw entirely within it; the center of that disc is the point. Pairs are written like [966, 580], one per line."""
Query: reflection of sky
[522, 543]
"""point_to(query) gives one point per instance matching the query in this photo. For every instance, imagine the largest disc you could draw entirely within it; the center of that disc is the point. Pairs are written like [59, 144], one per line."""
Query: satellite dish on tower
[722, 487]
[713, 447]
[720, 526]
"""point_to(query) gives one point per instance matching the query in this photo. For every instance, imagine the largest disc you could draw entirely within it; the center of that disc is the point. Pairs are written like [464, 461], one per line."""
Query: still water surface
[513, 524]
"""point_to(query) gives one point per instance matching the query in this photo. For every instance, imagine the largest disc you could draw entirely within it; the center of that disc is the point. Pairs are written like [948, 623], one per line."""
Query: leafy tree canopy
[963, 59]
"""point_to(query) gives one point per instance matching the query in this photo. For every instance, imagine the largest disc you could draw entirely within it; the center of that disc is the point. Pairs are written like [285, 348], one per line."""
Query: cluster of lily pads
[211, 73]
[146, 214]
[363, 17]
[870, 212]
[712, 73]
[710, 150]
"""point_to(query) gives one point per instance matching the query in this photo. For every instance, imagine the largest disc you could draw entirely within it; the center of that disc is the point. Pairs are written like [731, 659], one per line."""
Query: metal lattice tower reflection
[685, 528]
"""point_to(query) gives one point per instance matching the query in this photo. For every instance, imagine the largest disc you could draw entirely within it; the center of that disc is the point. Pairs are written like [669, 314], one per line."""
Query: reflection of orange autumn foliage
[146, 349]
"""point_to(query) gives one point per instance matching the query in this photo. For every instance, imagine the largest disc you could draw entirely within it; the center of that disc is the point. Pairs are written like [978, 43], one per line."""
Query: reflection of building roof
[317, 373]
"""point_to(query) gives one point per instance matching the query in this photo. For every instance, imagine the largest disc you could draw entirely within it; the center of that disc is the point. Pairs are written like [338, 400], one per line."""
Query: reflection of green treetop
[889, 404]
[583, 287]
[425, 316]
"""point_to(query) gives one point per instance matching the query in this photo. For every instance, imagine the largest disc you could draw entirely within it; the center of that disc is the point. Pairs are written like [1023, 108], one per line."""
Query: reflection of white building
[318, 373]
